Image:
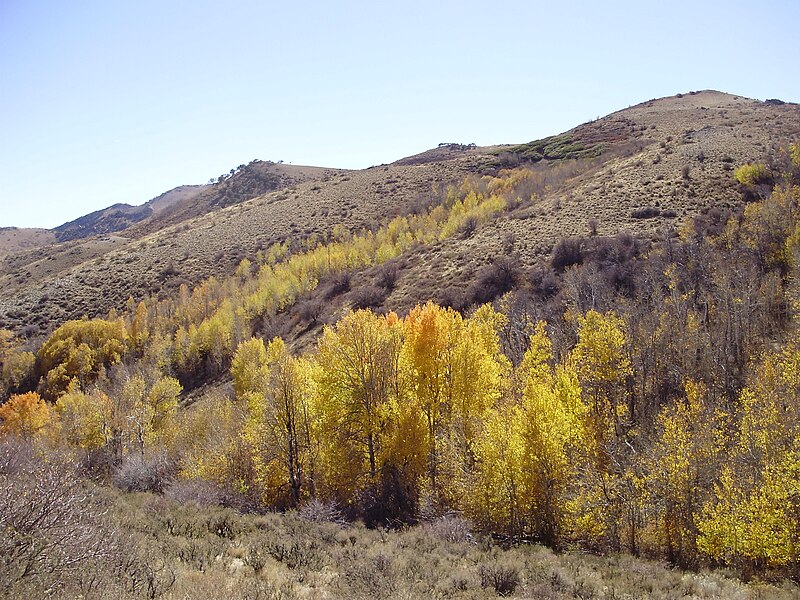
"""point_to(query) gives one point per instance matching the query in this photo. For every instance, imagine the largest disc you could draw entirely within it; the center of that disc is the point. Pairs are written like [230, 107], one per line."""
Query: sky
[104, 102]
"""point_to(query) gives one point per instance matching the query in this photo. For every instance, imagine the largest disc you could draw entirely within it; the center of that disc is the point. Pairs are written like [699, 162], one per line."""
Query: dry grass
[668, 134]
[213, 552]
[16, 239]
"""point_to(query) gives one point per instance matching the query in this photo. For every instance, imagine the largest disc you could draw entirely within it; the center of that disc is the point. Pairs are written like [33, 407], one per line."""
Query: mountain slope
[243, 183]
[638, 170]
[661, 162]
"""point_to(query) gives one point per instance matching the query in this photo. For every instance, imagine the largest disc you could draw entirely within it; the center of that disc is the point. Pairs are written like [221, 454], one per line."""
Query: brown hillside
[43, 287]
[706, 134]
[15, 239]
[640, 170]
[241, 184]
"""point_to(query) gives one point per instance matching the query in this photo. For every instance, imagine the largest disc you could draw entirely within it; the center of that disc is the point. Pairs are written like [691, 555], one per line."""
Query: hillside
[187, 201]
[636, 184]
[240, 184]
[93, 275]
[16, 239]
[174, 206]
[640, 169]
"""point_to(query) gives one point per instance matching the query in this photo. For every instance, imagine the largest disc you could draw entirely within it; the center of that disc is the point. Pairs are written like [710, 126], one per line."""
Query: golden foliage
[751, 174]
[24, 414]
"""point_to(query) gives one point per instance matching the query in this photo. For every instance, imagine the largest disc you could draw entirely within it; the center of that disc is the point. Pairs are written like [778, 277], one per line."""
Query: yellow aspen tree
[404, 455]
[497, 497]
[546, 430]
[603, 365]
[78, 350]
[554, 438]
[133, 415]
[282, 437]
[138, 326]
[478, 378]
[526, 455]
[181, 356]
[479, 372]
[17, 366]
[752, 516]
[158, 351]
[83, 418]
[163, 400]
[681, 467]
[249, 369]
[357, 369]
[243, 463]
[431, 335]
[609, 496]
[207, 436]
[24, 415]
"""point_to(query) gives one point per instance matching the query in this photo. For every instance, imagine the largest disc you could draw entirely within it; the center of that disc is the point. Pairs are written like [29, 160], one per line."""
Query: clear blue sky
[119, 101]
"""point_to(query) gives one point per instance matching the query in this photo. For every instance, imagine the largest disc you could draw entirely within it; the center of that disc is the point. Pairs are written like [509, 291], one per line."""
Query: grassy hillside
[15, 239]
[88, 277]
[659, 163]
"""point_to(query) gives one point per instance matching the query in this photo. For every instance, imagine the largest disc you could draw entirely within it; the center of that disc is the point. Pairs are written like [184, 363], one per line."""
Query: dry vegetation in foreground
[217, 553]
[102, 543]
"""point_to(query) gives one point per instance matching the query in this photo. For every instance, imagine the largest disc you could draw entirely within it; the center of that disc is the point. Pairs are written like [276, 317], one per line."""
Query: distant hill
[122, 216]
[14, 239]
[174, 206]
[243, 183]
[107, 220]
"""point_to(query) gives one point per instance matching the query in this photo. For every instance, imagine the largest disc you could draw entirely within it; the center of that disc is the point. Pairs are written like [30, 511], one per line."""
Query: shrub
[752, 174]
[453, 298]
[367, 296]
[372, 577]
[504, 578]
[318, 511]
[311, 310]
[567, 252]
[52, 525]
[468, 227]
[195, 491]
[386, 276]
[139, 473]
[543, 282]
[647, 212]
[508, 242]
[493, 280]
[451, 528]
[339, 284]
